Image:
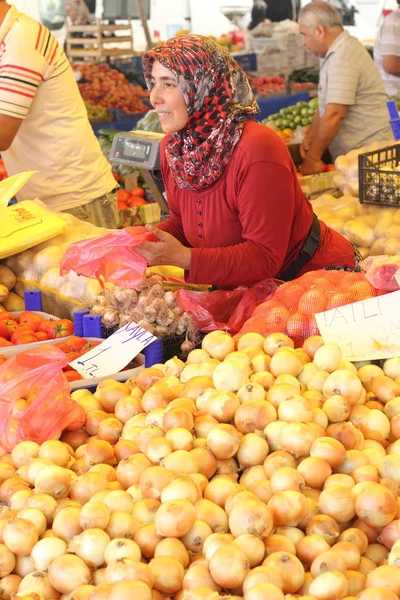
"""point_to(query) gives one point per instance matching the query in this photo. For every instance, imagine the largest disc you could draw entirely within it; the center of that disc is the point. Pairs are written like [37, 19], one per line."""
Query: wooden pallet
[99, 48]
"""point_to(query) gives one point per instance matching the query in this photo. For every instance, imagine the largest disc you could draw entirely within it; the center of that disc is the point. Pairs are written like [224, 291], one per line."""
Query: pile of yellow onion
[254, 470]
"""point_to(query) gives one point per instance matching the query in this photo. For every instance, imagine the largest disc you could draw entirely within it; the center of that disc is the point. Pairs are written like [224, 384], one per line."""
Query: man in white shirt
[387, 52]
[44, 125]
[352, 100]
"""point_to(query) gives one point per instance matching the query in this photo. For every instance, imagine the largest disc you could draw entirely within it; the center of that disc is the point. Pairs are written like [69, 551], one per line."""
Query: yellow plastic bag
[25, 224]
[11, 186]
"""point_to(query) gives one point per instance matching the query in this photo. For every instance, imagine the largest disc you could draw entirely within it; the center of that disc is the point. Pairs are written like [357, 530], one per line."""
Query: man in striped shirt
[387, 52]
[44, 125]
[352, 100]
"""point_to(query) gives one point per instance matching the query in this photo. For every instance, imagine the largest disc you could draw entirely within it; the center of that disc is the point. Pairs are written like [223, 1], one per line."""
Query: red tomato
[57, 329]
[76, 343]
[4, 343]
[30, 319]
[25, 339]
[63, 346]
[21, 331]
[122, 199]
[41, 336]
[11, 325]
[4, 315]
[72, 376]
[89, 346]
[73, 356]
[138, 191]
[136, 201]
[4, 331]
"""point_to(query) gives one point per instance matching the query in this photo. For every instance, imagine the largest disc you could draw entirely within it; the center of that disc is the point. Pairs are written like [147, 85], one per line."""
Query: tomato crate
[379, 176]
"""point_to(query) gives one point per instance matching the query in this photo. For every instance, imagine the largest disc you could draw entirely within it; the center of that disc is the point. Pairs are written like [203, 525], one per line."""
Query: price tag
[366, 330]
[115, 353]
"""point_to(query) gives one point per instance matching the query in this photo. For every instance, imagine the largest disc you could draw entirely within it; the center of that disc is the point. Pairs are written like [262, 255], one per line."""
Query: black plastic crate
[376, 185]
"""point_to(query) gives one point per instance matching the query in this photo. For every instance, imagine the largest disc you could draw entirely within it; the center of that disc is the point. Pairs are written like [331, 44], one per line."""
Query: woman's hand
[167, 251]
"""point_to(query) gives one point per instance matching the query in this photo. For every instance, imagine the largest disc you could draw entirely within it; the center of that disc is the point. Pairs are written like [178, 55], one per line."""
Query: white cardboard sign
[112, 355]
[366, 330]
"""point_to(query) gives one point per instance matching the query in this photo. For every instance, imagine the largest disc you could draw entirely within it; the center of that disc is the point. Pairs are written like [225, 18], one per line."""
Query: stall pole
[143, 19]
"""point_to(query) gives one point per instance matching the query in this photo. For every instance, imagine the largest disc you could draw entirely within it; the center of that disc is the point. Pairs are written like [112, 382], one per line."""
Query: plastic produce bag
[383, 272]
[34, 398]
[291, 309]
[373, 229]
[224, 310]
[109, 258]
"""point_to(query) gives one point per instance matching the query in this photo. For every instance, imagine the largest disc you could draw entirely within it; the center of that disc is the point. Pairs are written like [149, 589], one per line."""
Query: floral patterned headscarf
[219, 101]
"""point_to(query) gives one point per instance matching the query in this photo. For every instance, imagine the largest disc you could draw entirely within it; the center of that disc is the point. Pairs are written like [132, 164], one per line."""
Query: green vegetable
[150, 122]
[306, 75]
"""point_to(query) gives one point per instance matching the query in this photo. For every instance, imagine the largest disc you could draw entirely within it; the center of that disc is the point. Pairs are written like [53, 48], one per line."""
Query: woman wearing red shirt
[237, 212]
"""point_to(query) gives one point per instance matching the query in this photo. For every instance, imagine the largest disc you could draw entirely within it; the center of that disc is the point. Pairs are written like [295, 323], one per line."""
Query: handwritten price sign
[114, 353]
[366, 330]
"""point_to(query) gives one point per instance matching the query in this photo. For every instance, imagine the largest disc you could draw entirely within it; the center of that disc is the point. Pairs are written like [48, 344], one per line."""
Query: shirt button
[198, 201]
[200, 224]
[199, 212]
[200, 235]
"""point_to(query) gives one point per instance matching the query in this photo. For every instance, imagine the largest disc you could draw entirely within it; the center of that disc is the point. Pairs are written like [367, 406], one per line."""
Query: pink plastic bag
[383, 272]
[110, 258]
[225, 310]
[37, 372]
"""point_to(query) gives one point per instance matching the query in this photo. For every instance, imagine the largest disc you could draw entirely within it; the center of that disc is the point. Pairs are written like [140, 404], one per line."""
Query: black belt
[308, 250]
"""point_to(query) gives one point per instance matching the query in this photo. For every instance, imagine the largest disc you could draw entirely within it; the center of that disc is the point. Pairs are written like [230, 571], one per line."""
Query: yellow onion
[173, 547]
[7, 561]
[309, 547]
[251, 517]
[324, 526]
[129, 569]
[386, 576]
[254, 415]
[175, 518]
[355, 536]
[330, 585]
[153, 481]
[376, 505]
[329, 560]
[290, 569]
[229, 566]
[264, 590]
[147, 539]
[39, 582]
[168, 574]
[338, 502]
[278, 543]
[262, 574]
[46, 550]
[288, 508]
[20, 535]
[212, 514]
[315, 471]
[286, 478]
[297, 439]
[68, 572]
[350, 552]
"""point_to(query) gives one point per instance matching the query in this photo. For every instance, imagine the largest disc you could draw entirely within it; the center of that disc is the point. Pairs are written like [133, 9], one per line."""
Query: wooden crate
[98, 47]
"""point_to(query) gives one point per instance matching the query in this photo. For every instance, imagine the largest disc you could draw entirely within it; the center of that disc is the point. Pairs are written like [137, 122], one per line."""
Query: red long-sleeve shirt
[252, 223]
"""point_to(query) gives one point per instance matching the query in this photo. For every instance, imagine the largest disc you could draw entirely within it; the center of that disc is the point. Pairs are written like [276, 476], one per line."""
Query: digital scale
[141, 150]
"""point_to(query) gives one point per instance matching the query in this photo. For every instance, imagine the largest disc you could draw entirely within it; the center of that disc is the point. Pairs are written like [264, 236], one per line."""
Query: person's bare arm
[328, 128]
[9, 127]
[391, 65]
[306, 143]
